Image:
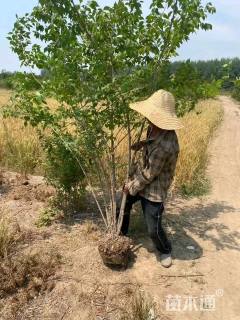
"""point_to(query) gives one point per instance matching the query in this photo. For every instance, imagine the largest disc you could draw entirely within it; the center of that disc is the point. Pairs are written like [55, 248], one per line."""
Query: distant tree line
[7, 80]
[213, 69]
[225, 69]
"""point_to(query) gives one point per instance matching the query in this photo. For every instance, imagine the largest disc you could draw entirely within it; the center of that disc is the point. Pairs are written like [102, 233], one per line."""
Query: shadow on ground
[185, 224]
[199, 220]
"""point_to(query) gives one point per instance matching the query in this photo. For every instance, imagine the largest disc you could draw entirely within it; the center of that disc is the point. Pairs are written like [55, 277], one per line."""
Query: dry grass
[140, 308]
[30, 271]
[89, 228]
[9, 234]
[20, 148]
[24, 274]
[5, 236]
[200, 125]
[23, 277]
[4, 96]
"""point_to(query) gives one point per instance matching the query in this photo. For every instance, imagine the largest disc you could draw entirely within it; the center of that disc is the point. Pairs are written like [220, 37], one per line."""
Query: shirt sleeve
[156, 160]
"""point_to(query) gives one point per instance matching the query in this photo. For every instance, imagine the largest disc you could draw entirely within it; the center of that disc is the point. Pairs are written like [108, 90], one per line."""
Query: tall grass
[6, 235]
[4, 96]
[140, 308]
[20, 147]
[199, 126]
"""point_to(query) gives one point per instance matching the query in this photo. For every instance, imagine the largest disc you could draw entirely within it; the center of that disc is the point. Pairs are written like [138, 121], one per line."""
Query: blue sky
[222, 41]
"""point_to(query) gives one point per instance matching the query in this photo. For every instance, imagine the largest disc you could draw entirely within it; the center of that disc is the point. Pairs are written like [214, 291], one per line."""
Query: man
[150, 183]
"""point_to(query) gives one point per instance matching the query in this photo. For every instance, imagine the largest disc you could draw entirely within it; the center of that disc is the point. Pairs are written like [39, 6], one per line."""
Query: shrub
[236, 90]
[227, 85]
[6, 80]
[188, 87]
[140, 308]
[6, 238]
[185, 87]
[47, 216]
[9, 235]
[210, 89]
[24, 150]
[62, 168]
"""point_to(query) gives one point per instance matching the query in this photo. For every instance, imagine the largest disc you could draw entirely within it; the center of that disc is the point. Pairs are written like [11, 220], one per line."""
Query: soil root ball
[115, 250]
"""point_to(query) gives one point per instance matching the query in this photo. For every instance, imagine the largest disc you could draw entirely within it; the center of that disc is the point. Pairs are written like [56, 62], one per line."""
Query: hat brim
[158, 117]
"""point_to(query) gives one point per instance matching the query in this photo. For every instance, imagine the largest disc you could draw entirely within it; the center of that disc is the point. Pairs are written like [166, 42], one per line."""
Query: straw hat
[160, 110]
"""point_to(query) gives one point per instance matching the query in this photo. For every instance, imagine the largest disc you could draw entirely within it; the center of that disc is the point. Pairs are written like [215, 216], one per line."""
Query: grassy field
[199, 126]
[20, 149]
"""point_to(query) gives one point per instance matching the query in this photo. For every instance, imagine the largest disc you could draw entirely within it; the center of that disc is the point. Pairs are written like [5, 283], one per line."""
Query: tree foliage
[188, 86]
[236, 90]
[97, 61]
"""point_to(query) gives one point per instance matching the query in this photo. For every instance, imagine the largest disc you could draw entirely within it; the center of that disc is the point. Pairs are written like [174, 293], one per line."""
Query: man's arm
[156, 161]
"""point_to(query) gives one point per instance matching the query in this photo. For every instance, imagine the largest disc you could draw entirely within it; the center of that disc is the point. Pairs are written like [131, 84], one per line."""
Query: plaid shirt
[153, 179]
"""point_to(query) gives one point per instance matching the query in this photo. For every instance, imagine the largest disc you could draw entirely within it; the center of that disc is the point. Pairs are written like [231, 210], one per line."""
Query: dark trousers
[152, 212]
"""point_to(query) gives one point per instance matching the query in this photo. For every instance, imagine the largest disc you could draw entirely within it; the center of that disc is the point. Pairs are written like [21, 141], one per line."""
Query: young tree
[97, 61]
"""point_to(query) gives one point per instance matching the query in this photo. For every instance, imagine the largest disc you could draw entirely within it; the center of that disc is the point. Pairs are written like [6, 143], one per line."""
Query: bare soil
[205, 233]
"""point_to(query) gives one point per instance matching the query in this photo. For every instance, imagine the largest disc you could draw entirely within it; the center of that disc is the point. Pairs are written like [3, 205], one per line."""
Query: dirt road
[206, 236]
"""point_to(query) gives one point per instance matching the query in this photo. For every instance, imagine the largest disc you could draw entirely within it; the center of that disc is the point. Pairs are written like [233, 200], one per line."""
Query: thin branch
[181, 275]
[103, 185]
[167, 38]
[106, 182]
[119, 131]
[129, 145]
[166, 45]
[138, 140]
[83, 26]
[130, 162]
[124, 198]
[113, 183]
[122, 139]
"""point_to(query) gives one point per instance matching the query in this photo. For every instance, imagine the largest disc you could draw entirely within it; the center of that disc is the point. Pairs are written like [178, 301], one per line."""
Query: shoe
[166, 260]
